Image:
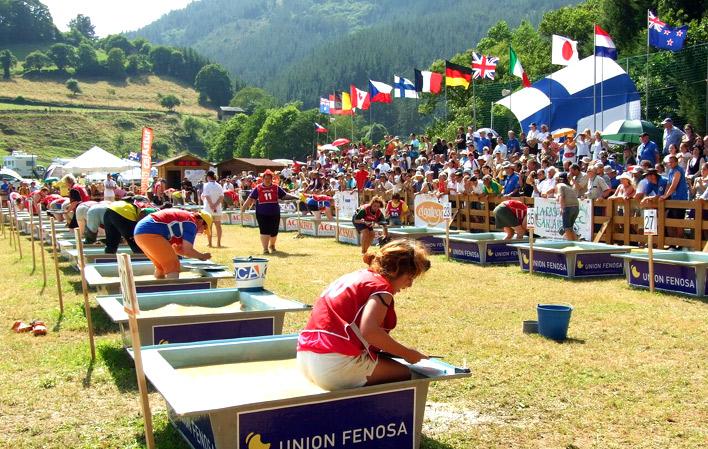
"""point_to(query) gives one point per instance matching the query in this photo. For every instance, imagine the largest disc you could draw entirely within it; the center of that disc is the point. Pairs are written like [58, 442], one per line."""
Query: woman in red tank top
[341, 344]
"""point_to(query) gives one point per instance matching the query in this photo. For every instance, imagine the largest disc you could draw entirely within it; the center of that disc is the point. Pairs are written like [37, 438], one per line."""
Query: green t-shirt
[494, 188]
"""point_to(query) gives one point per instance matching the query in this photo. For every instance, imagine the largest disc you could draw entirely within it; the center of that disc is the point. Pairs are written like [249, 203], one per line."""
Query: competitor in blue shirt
[653, 187]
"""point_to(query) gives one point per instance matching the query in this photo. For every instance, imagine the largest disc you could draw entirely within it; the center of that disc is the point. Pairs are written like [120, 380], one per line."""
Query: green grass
[633, 374]
[67, 132]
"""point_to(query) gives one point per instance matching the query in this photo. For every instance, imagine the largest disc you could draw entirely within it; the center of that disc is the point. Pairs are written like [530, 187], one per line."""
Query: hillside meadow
[132, 94]
[632, 375]
[50, 133]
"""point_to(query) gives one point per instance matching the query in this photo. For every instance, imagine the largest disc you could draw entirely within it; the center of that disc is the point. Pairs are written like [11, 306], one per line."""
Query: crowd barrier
[615, 221]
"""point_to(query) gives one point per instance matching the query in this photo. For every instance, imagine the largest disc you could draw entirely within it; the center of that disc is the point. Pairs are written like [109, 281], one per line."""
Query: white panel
[525, 102]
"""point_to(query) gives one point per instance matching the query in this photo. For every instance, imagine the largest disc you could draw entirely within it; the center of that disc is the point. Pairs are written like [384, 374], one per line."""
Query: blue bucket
[553, 320]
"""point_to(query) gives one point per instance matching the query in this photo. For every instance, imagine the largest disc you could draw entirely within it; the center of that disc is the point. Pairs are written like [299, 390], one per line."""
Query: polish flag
[565, 51]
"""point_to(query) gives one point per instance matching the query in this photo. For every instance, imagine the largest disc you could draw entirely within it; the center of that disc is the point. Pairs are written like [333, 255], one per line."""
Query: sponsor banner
[428, 210]
[668, 277]
[288, 207]
[196, 430]
[597, 264]
[326, 229]
[549, 220]
[308, 227]
[215, 330]
[434, 245]
[348, 234]
[376, 421]
[501, 253]
[145, 159]
[466, 251]
[545, 262]
[348, 203]
[292, 224]
[249, 220]
[235, 218]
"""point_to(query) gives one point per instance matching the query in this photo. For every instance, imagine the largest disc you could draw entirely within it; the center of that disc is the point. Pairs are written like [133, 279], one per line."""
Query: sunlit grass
[632, 376]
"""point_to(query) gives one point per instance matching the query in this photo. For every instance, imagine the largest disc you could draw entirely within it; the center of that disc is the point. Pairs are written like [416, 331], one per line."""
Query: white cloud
[110, 16]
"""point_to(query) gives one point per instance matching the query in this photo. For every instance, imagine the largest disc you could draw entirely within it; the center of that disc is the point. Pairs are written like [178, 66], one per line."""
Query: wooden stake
[17, 231]
[130, 304]
[9, 220]
[531, 251]
[601, 232]
[31, 225]
[2, 219]
[56, 265]
[651, 262]
[41, 246]
[84, 288]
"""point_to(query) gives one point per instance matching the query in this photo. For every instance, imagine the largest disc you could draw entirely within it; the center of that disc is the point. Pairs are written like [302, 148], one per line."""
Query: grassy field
[632, 375]
[68, 133]
[131, 94]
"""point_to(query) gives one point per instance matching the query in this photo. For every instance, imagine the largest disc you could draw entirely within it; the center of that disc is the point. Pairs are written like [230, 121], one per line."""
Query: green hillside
[300, 49]
[70, 132]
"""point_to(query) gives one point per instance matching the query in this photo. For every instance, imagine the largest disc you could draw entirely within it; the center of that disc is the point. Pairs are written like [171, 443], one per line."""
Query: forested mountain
[299, 49]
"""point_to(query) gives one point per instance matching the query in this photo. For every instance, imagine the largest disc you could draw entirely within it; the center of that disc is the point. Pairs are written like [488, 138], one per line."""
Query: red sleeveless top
[336, 316]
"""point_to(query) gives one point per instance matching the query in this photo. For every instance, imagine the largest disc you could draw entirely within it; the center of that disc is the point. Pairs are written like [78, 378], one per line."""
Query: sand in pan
[250, 382]
[187, 310]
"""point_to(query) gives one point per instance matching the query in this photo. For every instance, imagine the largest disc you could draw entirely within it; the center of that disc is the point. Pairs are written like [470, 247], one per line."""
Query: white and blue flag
[403, 88]
[565, 98]
[603, 44]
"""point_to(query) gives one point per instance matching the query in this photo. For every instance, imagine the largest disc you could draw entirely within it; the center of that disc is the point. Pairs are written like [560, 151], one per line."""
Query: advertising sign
[348, 234]
[145, 159]
[347, 202]
[549, 220]
[389, 423]
[326, 229]
[597, 264]
[429, 210]
[545, 262]
[672, 278]
[467, 251]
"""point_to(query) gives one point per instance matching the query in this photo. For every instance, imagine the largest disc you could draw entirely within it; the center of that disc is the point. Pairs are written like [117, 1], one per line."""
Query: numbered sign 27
[650, 222]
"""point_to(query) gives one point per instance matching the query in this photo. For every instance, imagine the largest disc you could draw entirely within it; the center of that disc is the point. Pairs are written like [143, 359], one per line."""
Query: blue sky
[110, 16]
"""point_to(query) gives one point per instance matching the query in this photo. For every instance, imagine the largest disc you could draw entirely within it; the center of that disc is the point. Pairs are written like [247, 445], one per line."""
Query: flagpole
[474, 104]
[646, 81]
[594, 77]
[602, 94]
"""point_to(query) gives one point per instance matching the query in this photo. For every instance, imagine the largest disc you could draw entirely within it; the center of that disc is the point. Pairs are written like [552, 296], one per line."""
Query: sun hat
[208, 220]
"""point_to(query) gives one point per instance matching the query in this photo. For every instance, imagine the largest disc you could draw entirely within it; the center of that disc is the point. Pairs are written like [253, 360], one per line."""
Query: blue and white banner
[565, 98]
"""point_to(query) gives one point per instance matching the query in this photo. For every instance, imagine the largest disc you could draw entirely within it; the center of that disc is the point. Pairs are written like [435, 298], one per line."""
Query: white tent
[98, 160]
[135, 174]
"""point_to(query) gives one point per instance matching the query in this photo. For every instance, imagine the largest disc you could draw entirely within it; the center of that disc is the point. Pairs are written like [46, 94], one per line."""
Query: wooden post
[130, 304]
[41, 246]
[651, 262]
[31, 225]
[56, 265]
[84, 288]
[9, 223]
[2, 219]
[17, 231]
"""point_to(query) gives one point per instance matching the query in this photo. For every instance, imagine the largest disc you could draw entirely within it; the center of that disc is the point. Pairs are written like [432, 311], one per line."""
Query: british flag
[484, 66]
[655, 23]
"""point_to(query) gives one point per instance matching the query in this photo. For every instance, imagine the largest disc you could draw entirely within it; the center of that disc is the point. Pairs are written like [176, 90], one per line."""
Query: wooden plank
[84, 288]
[601, 232]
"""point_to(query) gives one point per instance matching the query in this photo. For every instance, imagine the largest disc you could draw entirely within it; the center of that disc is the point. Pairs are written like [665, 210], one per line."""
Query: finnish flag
[403, 88]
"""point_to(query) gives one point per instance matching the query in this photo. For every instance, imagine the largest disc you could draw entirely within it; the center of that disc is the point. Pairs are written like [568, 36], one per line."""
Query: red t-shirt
[518, 208]
[361, 176]
[338, 308]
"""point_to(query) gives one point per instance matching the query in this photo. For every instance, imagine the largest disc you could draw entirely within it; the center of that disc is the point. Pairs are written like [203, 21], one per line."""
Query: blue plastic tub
[553, 320]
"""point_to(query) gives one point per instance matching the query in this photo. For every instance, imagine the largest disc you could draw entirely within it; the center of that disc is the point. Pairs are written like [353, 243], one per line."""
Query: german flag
[457, 75]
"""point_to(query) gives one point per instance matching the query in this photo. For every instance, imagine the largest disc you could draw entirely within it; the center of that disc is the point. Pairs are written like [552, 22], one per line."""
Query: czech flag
[457, 75]
[380, 92]
[320, 129]
[604, 47]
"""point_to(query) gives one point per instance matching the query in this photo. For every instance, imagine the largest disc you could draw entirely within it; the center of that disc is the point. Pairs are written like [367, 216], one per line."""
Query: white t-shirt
[502, 149]
[215, 193]
[582, 147]
[109, 189]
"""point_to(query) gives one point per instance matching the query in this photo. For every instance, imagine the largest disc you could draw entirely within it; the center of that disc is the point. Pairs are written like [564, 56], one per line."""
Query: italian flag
[516, 69]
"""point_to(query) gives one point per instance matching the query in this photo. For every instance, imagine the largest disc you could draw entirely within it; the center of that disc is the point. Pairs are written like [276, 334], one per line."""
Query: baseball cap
[667, 120]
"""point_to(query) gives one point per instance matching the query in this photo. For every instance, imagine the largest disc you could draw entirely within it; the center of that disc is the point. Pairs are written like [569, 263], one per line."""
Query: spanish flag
[457, 75]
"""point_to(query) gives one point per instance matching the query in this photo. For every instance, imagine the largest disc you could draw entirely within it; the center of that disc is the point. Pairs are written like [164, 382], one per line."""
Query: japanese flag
[565, 51]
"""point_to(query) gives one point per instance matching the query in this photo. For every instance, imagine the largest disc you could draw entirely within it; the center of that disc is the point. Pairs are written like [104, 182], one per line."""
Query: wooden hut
[175, 169]
[235, 166]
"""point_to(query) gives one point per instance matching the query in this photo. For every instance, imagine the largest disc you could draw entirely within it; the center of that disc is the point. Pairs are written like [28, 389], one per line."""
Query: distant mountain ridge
[299, 49]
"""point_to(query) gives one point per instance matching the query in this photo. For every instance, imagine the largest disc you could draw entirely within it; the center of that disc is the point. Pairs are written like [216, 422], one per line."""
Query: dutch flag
[604, 47]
